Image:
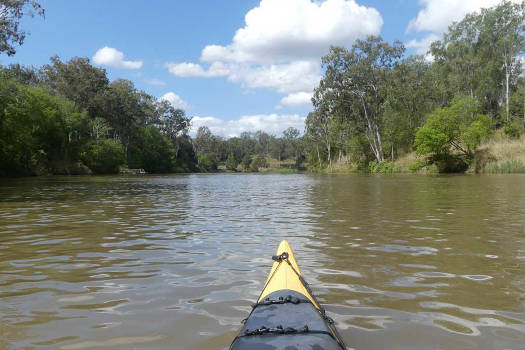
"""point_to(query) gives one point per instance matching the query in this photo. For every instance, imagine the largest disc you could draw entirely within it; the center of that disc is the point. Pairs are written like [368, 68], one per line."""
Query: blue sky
[235, 65]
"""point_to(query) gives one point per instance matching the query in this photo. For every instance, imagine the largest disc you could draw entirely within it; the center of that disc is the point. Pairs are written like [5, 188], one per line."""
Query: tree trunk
[329, 156]
[507, 76]
[319, 157]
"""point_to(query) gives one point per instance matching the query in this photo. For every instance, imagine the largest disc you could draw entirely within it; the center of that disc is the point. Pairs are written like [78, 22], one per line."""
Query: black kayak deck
[286, 320]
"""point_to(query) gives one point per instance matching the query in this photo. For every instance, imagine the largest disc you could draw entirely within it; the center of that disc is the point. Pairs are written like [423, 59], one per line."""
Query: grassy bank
[497, 155]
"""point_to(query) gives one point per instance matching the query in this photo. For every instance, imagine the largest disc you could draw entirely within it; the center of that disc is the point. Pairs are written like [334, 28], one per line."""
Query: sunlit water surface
[174, 262]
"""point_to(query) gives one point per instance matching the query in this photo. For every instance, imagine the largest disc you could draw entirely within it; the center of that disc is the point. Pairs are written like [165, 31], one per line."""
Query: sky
[232, 65]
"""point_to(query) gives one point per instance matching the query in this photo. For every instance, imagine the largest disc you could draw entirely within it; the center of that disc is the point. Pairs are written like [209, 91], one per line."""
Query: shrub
[451, 134]
[512, 130]
[208, 162]
[383, 168]
[415, 166]
[258, 162]
[104, 156]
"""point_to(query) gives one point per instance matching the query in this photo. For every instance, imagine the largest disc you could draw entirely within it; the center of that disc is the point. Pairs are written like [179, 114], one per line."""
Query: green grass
[505, 167]
[288, 171]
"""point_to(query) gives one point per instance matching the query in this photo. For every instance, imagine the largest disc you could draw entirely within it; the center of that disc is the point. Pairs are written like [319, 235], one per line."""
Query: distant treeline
[67, 118]
[373, 105]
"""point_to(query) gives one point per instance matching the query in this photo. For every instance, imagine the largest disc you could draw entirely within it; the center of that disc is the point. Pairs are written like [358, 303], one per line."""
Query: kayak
[287, 315]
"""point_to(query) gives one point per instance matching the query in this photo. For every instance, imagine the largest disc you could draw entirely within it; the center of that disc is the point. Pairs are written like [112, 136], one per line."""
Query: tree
[290, 135]
[231, 163]
[157, 152]
[258, 162]
[78, 81]
[34, 128]
[318, 129]
[502, 28]
[122, 107]
[246, 161]
[172, 121]
[203, 141]
[277, 148]
[105, 156]
[479, 56]
[11, 12]
[355, 86]
[452, 133]
[208, 162]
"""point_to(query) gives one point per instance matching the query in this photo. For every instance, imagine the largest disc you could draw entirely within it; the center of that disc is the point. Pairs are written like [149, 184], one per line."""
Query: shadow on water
[174, 262]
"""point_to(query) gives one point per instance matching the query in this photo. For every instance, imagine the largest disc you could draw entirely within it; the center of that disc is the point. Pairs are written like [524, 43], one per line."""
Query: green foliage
[157, 152]
[12, 12]
[513, 130]
[288, 171]
[258, 162]
[33, 128]
[457, 129]
[416, 166]
[474, 133]
[505, 167]
[104, 156]
[208, 162]
[246, 161]
[383, 168]
[186, 161]
[231, 163]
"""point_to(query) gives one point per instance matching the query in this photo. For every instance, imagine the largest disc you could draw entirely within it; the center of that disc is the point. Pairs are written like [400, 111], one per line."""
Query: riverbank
[497, 155]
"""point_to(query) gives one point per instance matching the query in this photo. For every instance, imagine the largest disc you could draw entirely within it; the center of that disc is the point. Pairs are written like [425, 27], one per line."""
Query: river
[174, 262]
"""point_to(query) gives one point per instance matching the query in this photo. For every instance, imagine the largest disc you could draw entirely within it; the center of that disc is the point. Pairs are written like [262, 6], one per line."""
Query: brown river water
[174, 262]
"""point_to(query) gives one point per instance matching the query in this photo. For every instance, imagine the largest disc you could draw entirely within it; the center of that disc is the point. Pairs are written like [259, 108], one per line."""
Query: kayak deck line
[287, 315]
[288, 276]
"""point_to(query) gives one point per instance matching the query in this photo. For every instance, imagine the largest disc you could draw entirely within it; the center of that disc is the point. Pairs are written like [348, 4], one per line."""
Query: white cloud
[187, 69]
[297, 99]
[271, 123]
[278, 30]
[155, 82]
[421, 46]
[436, 15]
[108, 56]
[175, 100]
[281, 44]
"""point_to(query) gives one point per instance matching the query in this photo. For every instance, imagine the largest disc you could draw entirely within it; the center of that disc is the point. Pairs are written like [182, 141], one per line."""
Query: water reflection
[176, 261]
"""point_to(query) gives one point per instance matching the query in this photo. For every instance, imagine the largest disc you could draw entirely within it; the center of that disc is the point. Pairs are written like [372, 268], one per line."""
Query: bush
[512, 130]
[383, 168]
[451, 134]
[208, 162]
[415, 166]
[505, 167]
[231, 163]
[258, 162]
[104, 156]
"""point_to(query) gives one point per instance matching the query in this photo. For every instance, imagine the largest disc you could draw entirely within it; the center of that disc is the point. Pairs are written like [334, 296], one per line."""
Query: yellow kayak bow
[287, 315]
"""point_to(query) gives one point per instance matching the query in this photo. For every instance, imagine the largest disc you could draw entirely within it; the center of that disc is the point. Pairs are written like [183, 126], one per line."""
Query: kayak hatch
[287, 315]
